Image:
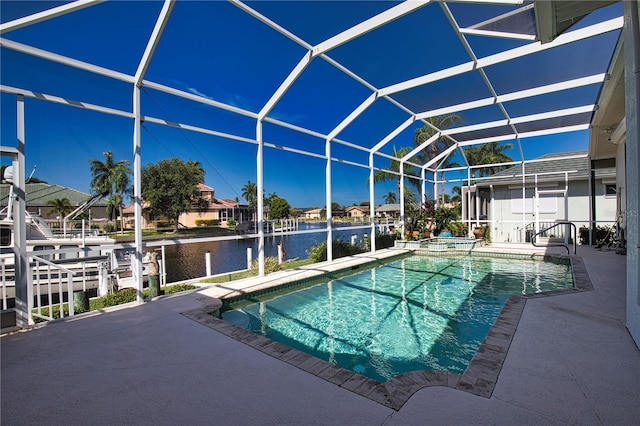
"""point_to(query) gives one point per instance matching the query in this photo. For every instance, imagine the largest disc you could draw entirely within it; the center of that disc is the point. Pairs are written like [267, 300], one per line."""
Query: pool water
[417, 313]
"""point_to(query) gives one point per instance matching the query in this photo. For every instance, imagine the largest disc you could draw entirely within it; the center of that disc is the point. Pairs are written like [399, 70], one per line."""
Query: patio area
[571, 361]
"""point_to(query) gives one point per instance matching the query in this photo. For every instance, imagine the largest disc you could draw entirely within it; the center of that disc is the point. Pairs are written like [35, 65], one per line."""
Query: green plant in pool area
[382, 241]
[270, 265]
[443, 217]
[459, 229]
[600, 234]
[318, 253]
[486, 231]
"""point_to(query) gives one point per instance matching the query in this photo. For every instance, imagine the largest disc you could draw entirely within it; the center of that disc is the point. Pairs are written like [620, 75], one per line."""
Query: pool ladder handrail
[558, 223]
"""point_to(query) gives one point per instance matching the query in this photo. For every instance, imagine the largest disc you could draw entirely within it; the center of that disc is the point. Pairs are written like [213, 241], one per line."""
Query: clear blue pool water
[417, 313]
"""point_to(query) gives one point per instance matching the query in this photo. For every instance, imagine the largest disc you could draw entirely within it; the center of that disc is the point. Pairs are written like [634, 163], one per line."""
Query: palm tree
[427, 131]
[59, 206]
[456, 199]
[111, 177]
[250, 193]
[493, 153]
[447, 163]
[390, 198]
[489, 153]
[394, 166]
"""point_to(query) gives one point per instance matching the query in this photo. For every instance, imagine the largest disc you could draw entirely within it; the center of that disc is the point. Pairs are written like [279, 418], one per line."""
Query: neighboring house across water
[357, 211]
[39, 194]
[211, 209]
[388, 211]
[557, 187]
[312, 214]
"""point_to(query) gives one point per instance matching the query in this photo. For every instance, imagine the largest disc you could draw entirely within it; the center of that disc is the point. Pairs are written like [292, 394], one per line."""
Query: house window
[610, 190]
[547, 202]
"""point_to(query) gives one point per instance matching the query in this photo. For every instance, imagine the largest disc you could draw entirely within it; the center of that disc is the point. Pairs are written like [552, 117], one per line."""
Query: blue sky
[215, 50]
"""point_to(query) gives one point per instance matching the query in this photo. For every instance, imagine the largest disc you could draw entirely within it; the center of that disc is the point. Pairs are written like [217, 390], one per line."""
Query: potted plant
[443, 216]
[478, 232]
[419, 219]
[459, 229]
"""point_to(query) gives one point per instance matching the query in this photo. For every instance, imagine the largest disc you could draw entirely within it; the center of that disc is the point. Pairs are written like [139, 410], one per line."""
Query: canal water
[187, 261]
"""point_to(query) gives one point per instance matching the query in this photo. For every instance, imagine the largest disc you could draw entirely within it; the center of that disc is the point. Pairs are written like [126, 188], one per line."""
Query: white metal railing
[50, 283]
[54, 275]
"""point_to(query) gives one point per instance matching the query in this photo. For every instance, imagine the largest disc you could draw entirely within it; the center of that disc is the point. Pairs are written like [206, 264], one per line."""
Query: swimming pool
[416, 313]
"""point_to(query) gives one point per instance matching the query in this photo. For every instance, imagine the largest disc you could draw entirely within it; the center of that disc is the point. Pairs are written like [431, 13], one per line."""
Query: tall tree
[429, 129]
[390, 198]
[279, 208]
[488, 153]
[250, 193]
[394, 170]
[111, 177]
[170, 187]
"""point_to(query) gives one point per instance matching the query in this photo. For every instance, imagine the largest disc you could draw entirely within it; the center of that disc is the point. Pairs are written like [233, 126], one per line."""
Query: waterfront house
[312, 214]
[38, 195]
[205, 209]
[357, 211]
[388, 211]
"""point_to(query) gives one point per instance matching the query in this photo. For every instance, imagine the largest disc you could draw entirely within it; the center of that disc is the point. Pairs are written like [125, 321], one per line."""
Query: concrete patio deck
[571, 361]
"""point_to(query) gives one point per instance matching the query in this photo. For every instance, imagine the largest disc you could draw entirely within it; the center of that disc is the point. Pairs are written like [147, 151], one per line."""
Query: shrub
[176, 288]
[125, 295]
[231, 223]
[340, 248]
[382, 241]
[443, 217]
[55, 309]
[161, 224]
[270, 265]
[207, 222]
[459, 229]
[601, 234]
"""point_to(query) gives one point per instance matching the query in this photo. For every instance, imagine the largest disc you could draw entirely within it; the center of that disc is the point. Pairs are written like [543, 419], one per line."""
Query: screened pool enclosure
[332, 101]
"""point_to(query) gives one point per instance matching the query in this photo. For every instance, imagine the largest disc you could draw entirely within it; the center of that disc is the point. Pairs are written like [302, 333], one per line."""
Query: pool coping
[479, 378]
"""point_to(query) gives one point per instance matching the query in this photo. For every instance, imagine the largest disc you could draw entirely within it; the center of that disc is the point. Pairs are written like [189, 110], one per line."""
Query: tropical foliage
[112, 178]
[250, 193]
[393, 173]
[443, 216]
[170, 187]
[419, 217]
[60, 207]
[279, 208]
[390, 198]
[488, 153]
[427, 131]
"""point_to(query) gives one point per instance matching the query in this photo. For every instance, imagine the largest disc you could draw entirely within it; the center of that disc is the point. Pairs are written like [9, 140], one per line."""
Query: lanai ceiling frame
[387, 92]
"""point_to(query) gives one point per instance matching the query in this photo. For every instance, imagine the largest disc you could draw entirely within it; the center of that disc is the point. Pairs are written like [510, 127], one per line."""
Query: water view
[187, 261]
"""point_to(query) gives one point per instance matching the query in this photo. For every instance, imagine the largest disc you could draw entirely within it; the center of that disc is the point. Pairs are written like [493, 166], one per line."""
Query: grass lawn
[246, 274]
[204, 231]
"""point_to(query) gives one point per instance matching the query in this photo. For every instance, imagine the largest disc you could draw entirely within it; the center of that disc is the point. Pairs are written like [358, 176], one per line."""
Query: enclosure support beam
[632, 119]
[329, 211]
[24, 294]
[372, 208]
[137, 193]
[260, 196]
